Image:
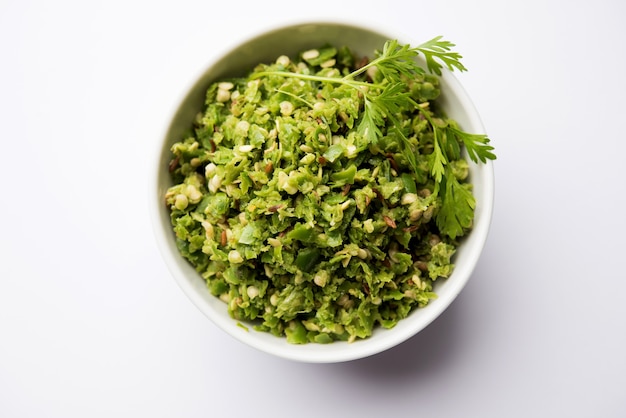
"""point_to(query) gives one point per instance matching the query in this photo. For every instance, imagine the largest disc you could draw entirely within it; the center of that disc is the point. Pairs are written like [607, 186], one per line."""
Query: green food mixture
[323, 195]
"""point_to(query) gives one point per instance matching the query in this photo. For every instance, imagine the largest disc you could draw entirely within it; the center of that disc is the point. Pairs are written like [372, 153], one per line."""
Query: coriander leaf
[448, 143]
[370, 121]
[394, 98]
[440, 49]
[477, 145]
[395, 59]
[407, 150]
[457, 209]
[438, 160]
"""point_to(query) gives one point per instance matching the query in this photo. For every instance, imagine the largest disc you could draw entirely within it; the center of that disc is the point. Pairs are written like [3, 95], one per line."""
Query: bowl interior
[266, 48]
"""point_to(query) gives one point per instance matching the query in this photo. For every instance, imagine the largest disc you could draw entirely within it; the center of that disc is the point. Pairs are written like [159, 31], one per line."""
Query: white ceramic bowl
[266, 47]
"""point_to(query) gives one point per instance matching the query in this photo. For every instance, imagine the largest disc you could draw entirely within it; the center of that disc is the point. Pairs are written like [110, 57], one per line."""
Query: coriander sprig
[458, 203]
[457, 210]
[388, 97]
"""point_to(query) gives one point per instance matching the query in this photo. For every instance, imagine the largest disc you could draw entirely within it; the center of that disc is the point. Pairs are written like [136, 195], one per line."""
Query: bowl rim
[320, 354]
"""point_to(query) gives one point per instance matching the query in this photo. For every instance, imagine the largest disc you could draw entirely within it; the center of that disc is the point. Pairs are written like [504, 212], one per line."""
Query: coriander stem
[363, 68]
[323, 79]
[295, 97]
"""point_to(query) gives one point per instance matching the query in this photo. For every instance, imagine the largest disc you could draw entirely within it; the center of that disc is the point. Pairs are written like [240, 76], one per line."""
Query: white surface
[92, 324]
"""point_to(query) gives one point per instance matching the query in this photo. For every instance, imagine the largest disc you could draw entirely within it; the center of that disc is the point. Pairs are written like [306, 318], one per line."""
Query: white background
[93, 325]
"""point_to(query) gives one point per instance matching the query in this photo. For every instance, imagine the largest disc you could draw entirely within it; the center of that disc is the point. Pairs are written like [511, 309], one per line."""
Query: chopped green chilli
[322, 195]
